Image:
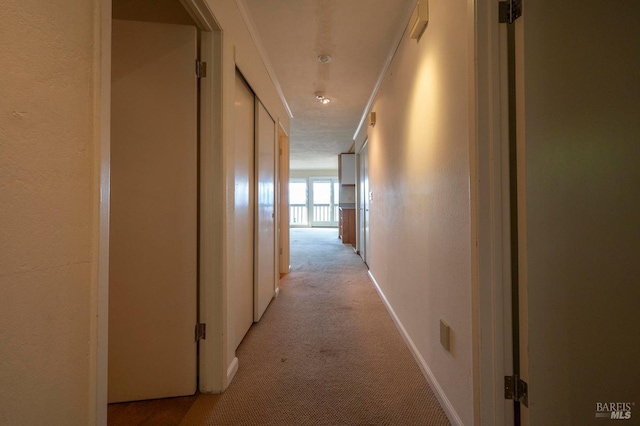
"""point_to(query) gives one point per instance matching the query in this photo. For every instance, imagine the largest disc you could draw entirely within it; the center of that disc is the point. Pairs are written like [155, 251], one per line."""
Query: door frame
[102, 159]
[213, 375]
[490, 245]
[284, 266]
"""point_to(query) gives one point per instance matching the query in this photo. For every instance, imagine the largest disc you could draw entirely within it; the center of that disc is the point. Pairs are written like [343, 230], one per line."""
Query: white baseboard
[426, 371]
[232, 370]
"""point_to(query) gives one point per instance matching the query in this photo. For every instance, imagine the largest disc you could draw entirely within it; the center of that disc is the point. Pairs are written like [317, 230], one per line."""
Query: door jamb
[491, 252]
[213, 375]
[102, 161]
[283, 218]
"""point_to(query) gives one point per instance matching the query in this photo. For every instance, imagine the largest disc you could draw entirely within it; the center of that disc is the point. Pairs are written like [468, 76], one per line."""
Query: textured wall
[420, 211]
[46, 188]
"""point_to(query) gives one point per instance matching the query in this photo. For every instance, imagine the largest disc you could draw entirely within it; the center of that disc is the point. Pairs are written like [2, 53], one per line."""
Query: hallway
[326, 352]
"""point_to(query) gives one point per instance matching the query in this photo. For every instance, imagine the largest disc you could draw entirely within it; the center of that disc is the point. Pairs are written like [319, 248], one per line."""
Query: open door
[153, 239]
[577, 94]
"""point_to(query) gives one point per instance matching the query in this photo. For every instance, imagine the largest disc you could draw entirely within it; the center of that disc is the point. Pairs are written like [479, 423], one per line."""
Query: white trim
[102, 161]
[283, 202]
[201, 14]
[426, 371]
[490, 204]
[232, 370]
[392, 52]
[255, 36]
[212, 375]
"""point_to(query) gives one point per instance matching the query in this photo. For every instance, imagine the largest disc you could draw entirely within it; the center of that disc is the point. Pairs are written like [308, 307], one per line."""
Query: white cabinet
[347, 169]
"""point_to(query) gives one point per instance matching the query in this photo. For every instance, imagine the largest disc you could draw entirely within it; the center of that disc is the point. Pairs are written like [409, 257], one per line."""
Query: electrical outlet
[445, 335]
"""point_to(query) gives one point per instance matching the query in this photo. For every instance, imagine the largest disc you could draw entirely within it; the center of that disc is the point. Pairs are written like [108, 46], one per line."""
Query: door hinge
[201, 69]
[201, 331]
[516, 389]
[509, 11]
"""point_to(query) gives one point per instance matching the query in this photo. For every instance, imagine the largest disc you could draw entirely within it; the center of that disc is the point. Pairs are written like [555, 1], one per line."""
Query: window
[314, 201]
[298, 200]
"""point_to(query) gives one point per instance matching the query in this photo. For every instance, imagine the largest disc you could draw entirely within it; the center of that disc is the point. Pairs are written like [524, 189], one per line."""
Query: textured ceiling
[358, 34]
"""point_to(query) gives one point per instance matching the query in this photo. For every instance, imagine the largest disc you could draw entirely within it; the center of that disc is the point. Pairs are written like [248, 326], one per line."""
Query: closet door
[153, 237]
[244, 137]
[265, 277]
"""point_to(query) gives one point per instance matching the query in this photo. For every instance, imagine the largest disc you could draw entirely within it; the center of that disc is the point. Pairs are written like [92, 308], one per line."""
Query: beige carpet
[325, 353]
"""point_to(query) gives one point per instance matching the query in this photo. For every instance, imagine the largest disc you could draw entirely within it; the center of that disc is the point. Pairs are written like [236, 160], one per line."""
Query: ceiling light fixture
[324, 59]
[322, 98]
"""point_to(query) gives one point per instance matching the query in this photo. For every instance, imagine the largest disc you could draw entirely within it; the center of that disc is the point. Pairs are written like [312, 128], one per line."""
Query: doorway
[324, 196]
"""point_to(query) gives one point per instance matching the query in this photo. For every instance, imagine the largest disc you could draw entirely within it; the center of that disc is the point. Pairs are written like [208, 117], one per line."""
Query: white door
[360, 205]
[242, 290]
[363, 200]
[153, 239]
[265, 273]
[578, 140]
[323, 196]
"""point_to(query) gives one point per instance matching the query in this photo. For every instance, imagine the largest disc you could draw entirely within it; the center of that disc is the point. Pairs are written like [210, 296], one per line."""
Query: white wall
[49, 193]
[420, 252]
